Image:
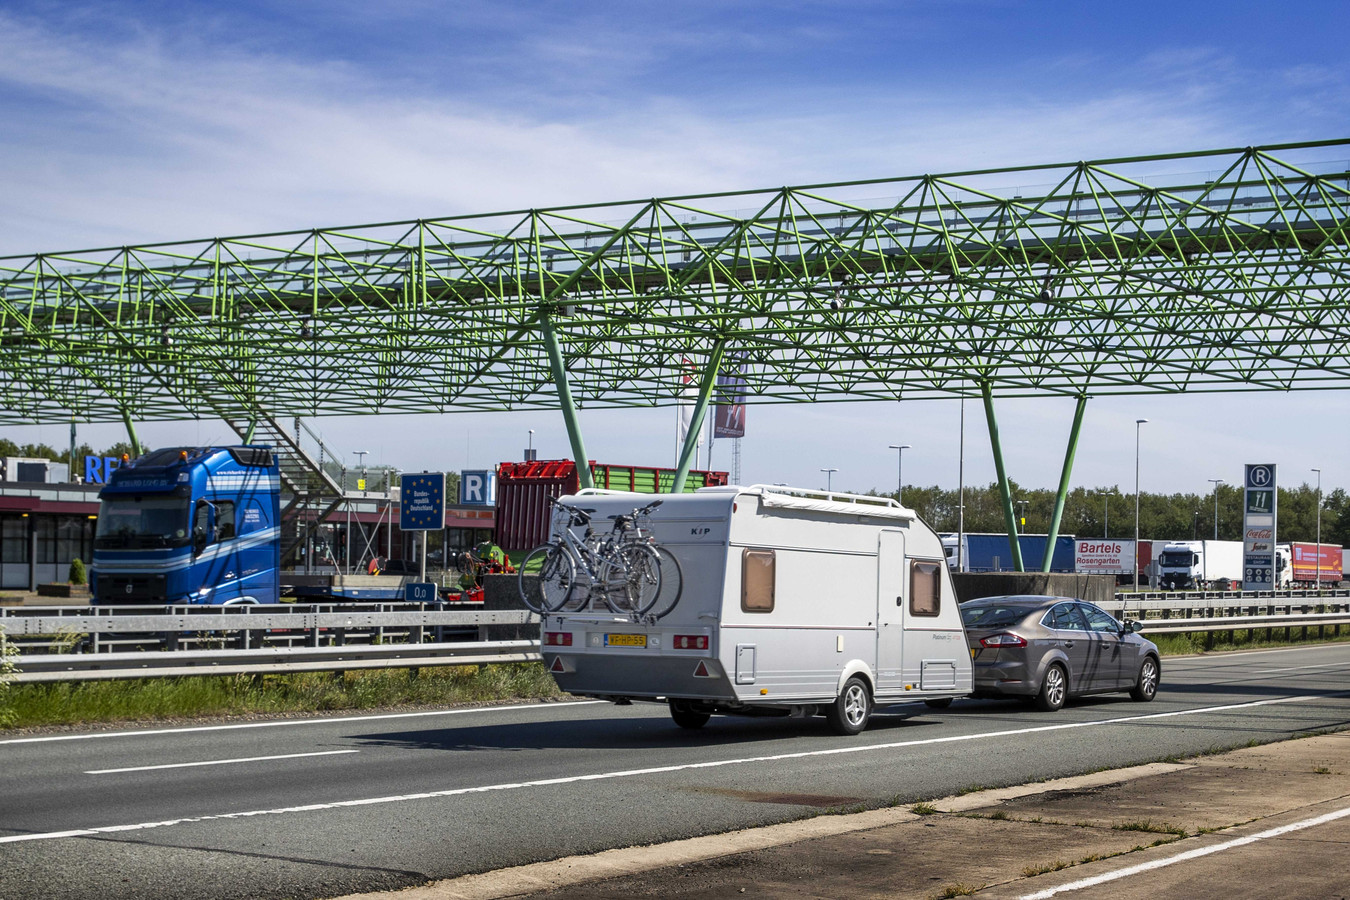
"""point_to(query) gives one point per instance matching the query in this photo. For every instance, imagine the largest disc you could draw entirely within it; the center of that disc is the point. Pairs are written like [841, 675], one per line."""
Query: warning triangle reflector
[557, 665]
[701, 671]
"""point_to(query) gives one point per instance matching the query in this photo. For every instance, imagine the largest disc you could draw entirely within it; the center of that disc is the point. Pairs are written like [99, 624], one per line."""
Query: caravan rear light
[1003, 640]
[557, 638]
[691, 642]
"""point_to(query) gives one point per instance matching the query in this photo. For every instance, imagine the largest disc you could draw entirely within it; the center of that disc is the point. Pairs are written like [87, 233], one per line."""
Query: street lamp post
[1022, 512]
[1137, 423]
[900, 470]
[1216, 482]
[1106, 514]
[1319, 530]
[829, 478]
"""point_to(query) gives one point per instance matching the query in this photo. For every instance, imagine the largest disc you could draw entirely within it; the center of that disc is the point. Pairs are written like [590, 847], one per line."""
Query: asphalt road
[321, 807]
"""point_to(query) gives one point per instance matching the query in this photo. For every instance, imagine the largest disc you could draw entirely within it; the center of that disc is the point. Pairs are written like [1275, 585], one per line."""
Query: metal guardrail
[105, 666]
[102, 630]
[180, 628]
[1282, 594]
[1230, 623]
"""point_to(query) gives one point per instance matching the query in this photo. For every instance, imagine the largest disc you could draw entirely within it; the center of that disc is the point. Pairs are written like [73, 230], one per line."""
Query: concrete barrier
[1097, 589]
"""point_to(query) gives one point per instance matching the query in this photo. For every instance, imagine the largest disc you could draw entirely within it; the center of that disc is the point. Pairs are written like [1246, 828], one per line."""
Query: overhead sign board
[1260, 508]
[422, 501]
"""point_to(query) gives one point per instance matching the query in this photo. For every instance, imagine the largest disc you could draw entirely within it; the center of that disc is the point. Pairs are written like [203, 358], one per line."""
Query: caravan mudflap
[633, 675]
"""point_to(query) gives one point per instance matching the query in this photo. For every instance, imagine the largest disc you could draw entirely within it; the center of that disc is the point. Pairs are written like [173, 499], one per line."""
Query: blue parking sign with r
[478, 488]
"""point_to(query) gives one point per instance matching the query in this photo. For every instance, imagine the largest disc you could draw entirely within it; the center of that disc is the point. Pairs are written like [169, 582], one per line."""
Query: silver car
[1047, 649]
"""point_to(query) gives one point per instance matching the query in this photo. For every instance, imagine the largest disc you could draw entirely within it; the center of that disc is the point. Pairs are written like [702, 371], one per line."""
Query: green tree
[123, 448]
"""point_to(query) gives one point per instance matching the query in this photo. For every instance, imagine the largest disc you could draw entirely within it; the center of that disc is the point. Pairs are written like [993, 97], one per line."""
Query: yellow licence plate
[625, 640]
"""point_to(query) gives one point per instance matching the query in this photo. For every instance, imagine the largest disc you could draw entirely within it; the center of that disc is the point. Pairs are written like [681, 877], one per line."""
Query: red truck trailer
[524, 490]
[1306, 567]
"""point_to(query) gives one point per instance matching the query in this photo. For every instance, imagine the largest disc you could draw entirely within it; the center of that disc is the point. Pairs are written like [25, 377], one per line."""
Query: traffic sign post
[421, 506]
[1259, 510]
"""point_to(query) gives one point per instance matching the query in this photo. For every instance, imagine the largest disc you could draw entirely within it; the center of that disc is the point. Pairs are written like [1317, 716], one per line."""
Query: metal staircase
[310, 492]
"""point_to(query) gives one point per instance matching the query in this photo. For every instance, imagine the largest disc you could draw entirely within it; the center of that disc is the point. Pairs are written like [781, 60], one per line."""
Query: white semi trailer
[1187, 565]
[793, 602]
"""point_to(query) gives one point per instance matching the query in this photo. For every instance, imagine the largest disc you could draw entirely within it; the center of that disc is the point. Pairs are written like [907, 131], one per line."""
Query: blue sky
[133, 122]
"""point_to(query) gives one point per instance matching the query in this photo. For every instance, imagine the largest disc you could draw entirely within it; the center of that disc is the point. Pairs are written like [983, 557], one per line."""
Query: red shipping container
[524, 490]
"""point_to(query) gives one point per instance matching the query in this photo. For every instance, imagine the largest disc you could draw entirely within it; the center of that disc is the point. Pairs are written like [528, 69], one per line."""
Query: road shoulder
[997, 843]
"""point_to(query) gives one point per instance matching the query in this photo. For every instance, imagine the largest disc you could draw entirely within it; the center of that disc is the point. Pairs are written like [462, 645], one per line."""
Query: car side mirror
[1131, 626]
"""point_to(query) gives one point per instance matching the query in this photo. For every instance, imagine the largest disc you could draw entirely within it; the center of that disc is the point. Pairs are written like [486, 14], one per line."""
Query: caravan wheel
[685, 717]
[851, 709]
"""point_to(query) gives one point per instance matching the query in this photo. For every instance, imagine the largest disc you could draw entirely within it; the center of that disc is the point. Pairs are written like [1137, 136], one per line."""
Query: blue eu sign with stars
[422, 501]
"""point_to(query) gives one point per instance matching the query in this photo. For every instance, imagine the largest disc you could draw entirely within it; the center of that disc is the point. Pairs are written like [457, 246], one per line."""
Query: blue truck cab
[198, 525]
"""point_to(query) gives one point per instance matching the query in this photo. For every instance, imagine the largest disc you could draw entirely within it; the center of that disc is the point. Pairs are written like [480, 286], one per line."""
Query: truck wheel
[1053, 689]
[851, 709]
[1146, 688]
[686, 717]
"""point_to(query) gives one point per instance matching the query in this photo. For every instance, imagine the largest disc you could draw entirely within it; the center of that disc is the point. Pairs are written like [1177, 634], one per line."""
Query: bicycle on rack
[625, 574]
[635, 529]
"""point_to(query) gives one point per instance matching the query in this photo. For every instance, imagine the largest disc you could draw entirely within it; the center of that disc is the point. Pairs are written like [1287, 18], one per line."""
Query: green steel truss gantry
[1220, 270]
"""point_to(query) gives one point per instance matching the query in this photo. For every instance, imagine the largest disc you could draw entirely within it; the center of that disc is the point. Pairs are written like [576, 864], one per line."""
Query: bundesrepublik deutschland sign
[422, 501]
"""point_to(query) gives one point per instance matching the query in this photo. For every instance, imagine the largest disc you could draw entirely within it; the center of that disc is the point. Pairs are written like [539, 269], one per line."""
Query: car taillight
[1003, 640]
[691, 642]
[557, 638]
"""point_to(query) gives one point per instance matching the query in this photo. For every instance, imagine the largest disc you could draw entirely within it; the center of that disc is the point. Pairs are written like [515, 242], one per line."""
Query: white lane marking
[1238, 656]
[280, 722]
[1298, 669]
[218, 762]
[1188, 855]
[655, 770]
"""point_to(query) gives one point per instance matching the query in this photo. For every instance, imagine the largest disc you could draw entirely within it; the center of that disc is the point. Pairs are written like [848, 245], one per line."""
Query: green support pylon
[252, 424]
[1063, 484]
[1004, 491]
[569, 410]
[705, 389]
[131, 432]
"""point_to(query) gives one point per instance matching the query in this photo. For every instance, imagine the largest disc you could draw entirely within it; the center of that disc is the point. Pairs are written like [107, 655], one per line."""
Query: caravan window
[757, 578]
[925, 589]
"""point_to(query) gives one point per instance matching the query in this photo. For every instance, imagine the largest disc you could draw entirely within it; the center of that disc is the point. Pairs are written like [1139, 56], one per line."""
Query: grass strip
[153, 699]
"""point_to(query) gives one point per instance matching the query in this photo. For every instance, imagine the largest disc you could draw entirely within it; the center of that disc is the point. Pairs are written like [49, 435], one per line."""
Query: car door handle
[1067, 643]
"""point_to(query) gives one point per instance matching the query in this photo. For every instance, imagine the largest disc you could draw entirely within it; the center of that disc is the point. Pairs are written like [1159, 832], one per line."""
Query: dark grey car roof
[1021, 600]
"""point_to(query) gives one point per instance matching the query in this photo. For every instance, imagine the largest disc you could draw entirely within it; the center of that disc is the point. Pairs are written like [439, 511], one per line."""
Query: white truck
[1199, 565]
[792, 603]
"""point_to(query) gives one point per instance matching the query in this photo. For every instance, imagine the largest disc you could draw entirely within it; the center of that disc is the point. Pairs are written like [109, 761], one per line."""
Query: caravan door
[890, 610]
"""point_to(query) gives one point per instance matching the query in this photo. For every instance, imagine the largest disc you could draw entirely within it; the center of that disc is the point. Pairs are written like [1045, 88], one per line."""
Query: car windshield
[993, 615]
[125, 522]
[1177, 559]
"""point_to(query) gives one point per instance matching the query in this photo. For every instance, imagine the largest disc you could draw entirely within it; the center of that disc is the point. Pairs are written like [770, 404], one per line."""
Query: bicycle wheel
[556, 575]
[642, 585]
[672, 584]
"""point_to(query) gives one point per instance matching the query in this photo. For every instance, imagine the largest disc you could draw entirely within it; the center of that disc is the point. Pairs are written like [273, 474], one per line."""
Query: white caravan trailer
[792, 602]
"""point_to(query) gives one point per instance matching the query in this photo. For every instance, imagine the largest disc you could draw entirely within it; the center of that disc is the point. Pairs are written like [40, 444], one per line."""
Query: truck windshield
[142, 522]
[1177, 559]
